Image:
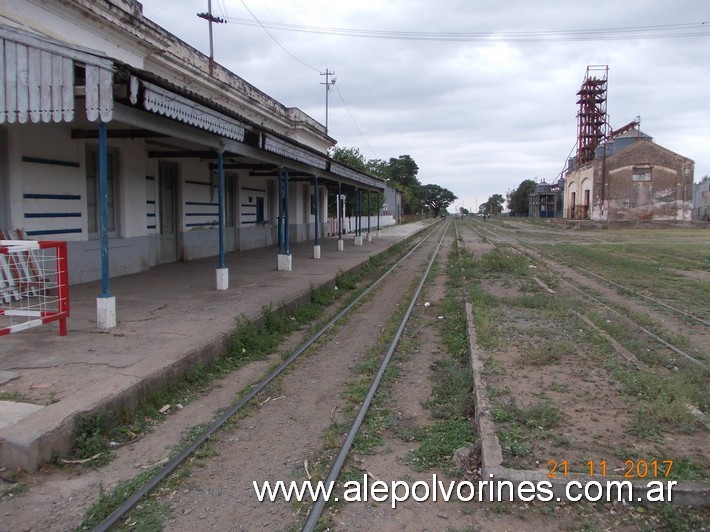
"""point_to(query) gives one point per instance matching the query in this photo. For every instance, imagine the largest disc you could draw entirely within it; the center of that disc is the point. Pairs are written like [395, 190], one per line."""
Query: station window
[641, 173]
[92, 188]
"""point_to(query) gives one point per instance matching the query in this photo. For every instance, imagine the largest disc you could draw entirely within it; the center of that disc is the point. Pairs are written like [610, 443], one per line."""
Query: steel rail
[680, 352]
[355, 427]
[614, 283]
[175, 462]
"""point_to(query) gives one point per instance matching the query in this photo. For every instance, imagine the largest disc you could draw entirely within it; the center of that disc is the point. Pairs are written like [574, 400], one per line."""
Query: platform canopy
[39, 79]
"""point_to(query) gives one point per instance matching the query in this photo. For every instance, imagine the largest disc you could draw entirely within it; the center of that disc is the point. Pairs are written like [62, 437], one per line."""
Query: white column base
[222, 278]
[341, 244]
[316, 252]
[285, 263]
[378, 234]
[369, 237]
[106, 312]
[358, 240]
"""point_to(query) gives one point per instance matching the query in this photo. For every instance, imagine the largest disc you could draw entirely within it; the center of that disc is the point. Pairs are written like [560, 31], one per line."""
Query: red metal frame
[62, 310]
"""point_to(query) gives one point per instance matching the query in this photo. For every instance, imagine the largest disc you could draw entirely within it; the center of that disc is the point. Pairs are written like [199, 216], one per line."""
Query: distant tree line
[518, 200]
[400, 173]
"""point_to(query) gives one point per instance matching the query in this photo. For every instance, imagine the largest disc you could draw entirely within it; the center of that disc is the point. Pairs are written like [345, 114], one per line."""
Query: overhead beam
[139, 118]
[116, 134]
[248, 166]
[165, 154]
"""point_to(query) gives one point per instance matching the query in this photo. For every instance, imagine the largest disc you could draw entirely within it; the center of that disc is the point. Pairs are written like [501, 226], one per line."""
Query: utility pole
[210, 18]
[327, 84]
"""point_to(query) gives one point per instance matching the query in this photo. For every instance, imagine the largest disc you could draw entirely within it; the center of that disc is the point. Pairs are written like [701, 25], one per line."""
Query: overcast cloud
[476, 117]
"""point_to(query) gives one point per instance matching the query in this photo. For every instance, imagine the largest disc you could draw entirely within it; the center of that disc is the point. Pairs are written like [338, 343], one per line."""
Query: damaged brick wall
[645, 182]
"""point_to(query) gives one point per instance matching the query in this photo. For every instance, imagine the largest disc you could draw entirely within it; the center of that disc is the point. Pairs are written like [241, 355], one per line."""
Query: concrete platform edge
[684, 493]
[47, 433]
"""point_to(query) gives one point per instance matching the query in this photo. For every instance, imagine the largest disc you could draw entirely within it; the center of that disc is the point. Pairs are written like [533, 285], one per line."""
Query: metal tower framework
[591, 118]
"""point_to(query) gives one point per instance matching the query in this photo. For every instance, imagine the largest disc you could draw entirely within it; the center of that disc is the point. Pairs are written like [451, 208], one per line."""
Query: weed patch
[438, 443]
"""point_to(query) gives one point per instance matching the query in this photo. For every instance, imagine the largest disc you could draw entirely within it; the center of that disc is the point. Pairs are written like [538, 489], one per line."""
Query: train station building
[138, 150]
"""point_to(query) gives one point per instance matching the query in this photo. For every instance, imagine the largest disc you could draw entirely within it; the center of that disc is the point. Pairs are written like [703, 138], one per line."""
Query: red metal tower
[591, 118]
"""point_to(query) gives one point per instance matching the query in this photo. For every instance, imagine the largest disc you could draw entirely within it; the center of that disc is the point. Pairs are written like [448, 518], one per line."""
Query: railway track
[415, 264]
[498, 237]
[587, 271]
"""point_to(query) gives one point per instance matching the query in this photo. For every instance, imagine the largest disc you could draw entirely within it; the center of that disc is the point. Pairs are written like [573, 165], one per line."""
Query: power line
[258, 23]
[327, 73]
[664, 31]
[353, 119]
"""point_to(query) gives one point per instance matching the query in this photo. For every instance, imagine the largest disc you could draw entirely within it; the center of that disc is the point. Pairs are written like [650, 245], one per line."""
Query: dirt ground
[286, 428]
[596, 414]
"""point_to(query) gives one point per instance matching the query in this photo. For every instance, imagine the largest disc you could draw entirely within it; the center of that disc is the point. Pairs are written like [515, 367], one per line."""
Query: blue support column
[378, 212]
[358, 217]
[316, 244]
[359, 212]
[286, 224]
[368, 212]
[340, 212]
[220, 195]
[222, 272]
[103, 209]
[105, 303]
[279, 218]
[317, 207]
[284, 258]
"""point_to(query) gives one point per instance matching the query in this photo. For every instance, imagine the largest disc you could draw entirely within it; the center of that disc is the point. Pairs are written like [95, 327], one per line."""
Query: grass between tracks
[451, 403]
[542, 331]
[660, 400]
[95, 436]
[251, 341]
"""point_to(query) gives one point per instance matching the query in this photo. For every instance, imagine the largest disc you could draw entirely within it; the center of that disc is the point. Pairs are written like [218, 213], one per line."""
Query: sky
[480, 112]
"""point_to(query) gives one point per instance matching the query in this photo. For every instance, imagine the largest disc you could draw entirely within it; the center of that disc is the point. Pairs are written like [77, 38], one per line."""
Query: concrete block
[106, 312]
[7, 376]
[341, 244]
[222, 278]
[358, 240]
[316, 252]
[369, 237]
[285, 262]
[13, 411]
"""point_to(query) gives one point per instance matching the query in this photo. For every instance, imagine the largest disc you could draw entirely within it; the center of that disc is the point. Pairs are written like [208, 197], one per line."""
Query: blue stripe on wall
[52, 196]
[202, 224]
[55, 162]
[52, 215]
[53, 232]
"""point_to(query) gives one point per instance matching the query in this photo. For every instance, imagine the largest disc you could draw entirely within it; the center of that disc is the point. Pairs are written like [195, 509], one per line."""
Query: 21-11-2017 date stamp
[632, 469]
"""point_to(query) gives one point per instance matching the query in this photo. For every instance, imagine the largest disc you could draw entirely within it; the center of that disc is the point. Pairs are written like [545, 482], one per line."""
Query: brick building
[631, 178]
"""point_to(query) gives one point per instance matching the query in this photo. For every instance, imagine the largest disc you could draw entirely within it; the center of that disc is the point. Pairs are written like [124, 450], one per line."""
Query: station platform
[168, 318]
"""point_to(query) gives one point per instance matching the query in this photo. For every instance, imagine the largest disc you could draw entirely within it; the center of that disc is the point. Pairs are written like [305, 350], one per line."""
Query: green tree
[402, 171]
[463, 211]
[494, 205]
[353, 158]
[436, 198]
[350, 156]
[519, 199]
[378, 168]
